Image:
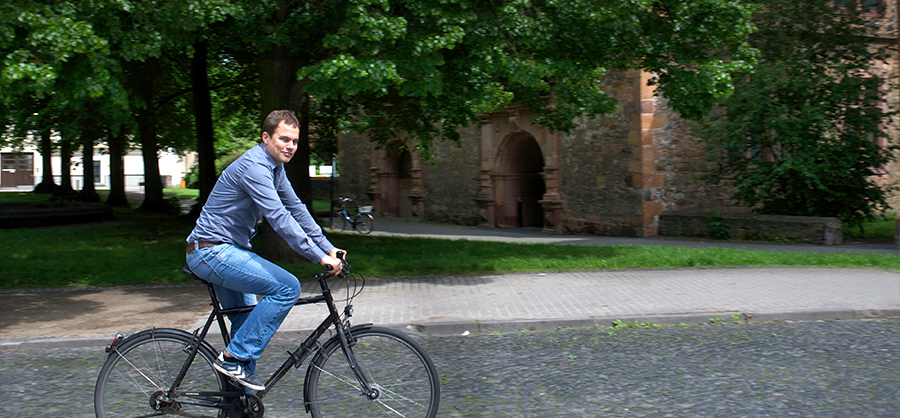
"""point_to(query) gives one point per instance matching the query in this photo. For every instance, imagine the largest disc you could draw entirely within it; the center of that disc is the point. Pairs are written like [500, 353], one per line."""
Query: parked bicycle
[362, 222]
[360, 371]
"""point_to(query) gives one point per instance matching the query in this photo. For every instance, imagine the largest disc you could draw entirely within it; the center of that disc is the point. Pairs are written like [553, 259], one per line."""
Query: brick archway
[518, 184]
[518, 159]
[396, 184]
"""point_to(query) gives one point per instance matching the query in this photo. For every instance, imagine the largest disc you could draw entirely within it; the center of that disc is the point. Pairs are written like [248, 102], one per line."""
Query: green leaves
[800, 134]
[444, 62]
[37, 40]
[423, 67]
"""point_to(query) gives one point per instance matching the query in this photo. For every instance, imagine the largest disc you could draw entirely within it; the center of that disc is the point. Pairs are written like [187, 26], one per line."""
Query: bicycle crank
[247, 407]
[159, 402]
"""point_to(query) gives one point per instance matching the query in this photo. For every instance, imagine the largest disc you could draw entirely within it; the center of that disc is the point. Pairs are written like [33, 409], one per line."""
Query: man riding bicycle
[218, 248]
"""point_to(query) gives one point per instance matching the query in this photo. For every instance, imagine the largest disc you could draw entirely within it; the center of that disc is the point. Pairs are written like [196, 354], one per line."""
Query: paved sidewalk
[510, 302]
[484, 303]
[400, 227]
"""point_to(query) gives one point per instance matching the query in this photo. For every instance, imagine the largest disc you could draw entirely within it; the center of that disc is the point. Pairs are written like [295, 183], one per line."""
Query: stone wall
[807, 229]
[450, 180]
[598, 190]
[354, 167]
[619, 171]
[681, 159]
[321, 188]
[614, 174]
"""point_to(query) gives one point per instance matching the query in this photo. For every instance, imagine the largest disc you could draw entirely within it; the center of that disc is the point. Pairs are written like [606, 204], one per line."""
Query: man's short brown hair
[276, 117]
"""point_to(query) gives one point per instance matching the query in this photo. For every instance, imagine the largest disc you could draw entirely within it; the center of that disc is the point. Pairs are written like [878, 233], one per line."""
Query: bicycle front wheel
[403, 375]
[338, 223]
[136, 376]
[365, 223]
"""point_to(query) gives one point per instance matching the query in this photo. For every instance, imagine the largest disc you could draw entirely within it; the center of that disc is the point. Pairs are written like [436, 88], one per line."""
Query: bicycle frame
[346, 215]
[295, 359]
[353, 220]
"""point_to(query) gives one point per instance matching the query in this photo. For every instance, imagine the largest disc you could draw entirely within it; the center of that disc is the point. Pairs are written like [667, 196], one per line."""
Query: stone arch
[518, 182]
[512, 145]
[404, 183]
[397, 182]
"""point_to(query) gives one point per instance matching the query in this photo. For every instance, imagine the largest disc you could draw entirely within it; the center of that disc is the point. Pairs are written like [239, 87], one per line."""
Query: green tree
[427, 68]
[161, 47]
[52, 60]
[421, 67]
[801, 134]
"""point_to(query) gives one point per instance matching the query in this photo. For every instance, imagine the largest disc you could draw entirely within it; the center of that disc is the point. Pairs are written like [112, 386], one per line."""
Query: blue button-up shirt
[252, 187]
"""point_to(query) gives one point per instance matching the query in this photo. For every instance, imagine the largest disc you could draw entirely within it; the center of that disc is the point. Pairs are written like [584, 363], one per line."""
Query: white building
[24, 170]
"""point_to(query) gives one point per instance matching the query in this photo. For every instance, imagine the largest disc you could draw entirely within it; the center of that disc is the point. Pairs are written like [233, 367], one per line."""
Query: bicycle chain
[253, 409]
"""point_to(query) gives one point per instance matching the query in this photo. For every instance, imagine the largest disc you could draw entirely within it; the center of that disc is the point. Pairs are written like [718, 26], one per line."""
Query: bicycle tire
[365, 223]
[145, 364]
[338, 222]
[399, 366]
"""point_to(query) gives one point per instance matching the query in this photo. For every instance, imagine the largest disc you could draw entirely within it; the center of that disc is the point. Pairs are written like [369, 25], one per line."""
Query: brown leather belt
[200, 244]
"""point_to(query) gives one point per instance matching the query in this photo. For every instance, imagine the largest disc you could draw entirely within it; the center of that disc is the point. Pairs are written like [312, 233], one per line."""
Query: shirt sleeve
[300, 212]
[259, 184]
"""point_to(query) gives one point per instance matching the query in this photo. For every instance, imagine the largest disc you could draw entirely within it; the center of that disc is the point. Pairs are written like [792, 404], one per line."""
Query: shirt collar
[265, 157]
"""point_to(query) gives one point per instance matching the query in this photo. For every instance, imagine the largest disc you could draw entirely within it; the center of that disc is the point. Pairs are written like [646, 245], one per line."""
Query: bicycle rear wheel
[404, 375]
[365, 223]
[136, 376]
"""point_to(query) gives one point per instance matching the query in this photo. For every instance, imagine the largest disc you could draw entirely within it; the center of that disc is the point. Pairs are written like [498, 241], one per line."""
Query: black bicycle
[362, 222]
[360, 371]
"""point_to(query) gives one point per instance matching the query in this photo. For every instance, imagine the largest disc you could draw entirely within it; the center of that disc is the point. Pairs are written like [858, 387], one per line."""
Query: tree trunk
[142, 82]
[297, 169]
[280, 89]
[117, 196]
[65, 169]
[88, 192]
[203, 122]
[46, 185]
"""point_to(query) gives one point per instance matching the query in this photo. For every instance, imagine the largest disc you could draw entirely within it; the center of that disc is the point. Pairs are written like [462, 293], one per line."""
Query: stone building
[612, 175]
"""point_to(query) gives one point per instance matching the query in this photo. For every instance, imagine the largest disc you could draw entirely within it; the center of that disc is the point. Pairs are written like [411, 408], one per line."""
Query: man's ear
[265, 137]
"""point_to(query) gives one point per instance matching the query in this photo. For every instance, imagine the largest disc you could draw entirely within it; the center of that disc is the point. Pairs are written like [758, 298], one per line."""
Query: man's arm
[259, 185]
[300, 212]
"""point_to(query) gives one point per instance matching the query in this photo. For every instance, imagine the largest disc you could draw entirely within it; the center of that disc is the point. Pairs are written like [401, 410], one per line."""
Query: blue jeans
[238, 275]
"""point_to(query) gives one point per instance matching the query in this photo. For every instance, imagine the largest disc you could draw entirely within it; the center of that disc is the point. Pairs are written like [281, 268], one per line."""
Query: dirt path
[91, 313]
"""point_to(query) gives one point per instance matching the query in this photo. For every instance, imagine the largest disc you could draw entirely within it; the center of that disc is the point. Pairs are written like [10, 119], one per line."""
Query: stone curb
[462, 327]
[450, 328]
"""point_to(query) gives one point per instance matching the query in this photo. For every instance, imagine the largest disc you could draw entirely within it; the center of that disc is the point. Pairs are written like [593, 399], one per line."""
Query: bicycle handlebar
[346, 269]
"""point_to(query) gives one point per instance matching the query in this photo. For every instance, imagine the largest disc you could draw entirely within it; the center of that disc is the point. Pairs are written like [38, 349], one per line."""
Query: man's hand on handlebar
[338, 253]
[332, 262]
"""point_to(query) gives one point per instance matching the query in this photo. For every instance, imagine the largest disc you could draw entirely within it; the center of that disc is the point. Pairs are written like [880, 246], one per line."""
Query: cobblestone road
[823, 369]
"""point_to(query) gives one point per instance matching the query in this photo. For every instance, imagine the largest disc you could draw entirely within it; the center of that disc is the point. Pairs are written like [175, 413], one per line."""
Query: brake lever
[341, 256]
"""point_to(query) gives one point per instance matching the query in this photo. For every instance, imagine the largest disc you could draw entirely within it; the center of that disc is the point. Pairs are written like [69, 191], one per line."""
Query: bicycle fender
[332, 340]
[141, 334]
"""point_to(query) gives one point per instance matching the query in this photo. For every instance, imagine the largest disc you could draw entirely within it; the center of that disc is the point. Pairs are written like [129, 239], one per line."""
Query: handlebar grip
[340, 255]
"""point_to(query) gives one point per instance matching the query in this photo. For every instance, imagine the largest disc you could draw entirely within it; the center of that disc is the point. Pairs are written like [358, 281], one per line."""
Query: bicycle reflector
[118, 338]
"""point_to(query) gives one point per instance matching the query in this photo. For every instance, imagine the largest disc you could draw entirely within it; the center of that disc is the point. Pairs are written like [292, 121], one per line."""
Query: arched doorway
[518, 182]
[404, 184]
[398, 180]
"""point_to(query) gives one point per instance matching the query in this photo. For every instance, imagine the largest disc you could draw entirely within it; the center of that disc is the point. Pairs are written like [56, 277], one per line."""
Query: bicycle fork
[369, 389]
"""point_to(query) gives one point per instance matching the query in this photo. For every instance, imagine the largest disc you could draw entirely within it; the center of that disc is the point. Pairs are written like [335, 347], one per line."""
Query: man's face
[283, 142]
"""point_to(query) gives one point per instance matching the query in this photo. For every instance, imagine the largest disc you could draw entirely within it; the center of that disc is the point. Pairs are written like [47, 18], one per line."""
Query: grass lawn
[191, 194]
[140, 248]
[881, 229]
